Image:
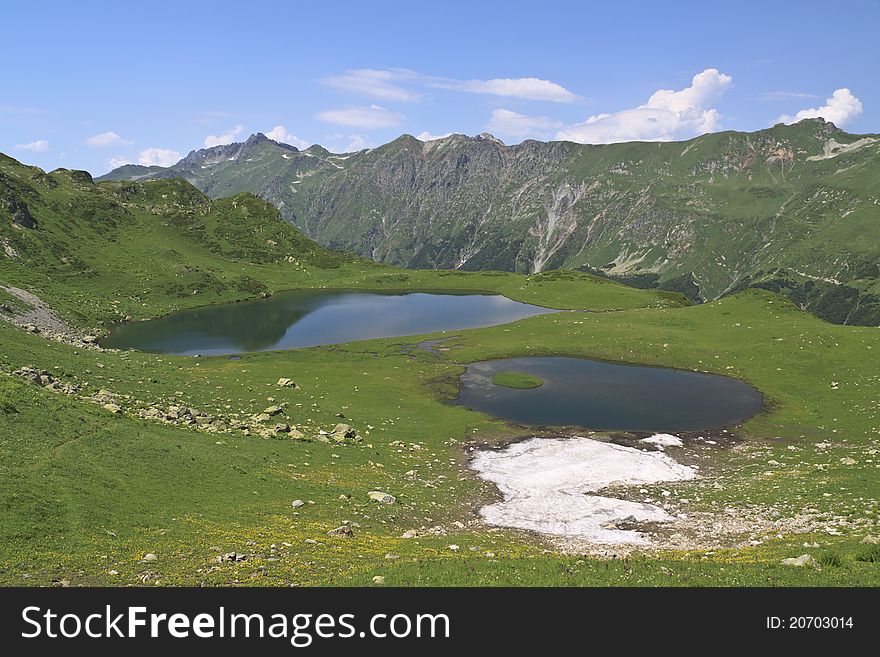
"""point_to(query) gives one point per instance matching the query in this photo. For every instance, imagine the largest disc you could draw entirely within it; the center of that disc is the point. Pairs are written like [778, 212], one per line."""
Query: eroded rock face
[19, 211]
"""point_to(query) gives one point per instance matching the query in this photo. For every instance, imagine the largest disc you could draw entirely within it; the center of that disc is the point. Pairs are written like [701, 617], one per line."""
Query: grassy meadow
[86, 492]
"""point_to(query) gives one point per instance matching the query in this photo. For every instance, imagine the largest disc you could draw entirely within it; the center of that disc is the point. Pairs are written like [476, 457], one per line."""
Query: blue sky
[91, 85]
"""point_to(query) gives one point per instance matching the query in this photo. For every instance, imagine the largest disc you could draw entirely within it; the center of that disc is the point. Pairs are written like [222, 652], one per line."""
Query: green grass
[84, 493]
[517, 380]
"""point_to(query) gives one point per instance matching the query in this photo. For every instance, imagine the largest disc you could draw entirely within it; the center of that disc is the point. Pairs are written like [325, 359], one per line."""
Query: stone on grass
[297, 504]
[379, 496]
[149, 556]
[344, 530]
[273, 410]
[803, 560]
[343, 432]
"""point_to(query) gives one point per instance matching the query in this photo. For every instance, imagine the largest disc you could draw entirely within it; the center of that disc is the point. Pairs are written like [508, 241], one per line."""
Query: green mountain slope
[793, 208]
[110, 250]
[96, 253]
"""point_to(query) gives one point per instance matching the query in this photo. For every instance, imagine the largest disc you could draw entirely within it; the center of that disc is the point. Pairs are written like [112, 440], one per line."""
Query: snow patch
[547, 486]
[663, 440]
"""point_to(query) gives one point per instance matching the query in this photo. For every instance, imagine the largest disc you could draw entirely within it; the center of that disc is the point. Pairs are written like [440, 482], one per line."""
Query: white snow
[663, 440]
[546, 484]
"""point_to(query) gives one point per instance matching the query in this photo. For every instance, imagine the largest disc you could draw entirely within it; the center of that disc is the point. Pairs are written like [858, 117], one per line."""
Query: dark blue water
[609, 396]
[305, 318]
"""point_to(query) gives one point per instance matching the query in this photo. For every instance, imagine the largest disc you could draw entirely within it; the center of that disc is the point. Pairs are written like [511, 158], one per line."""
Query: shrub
[830, 559]
[869, 554]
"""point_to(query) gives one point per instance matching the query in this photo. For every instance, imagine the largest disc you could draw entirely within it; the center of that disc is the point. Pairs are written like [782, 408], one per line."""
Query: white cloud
[38, 146]
[279, 133]
[356, 142]
[163, 157]
[226, 138]
[509, 123]
[20, 109]
[373, 116]
[427, 136]
[106, 139]
[667, 115]
[785, 95]
[523, 88]
[391, 84]
[375, 83]
[116, 162]
[841, 108]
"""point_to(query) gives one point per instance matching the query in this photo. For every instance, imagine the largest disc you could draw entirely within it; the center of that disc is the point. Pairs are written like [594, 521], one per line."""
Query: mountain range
[793, 208]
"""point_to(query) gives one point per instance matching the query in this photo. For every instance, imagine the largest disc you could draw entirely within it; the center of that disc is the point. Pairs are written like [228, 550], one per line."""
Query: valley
[334, 464]
[790, 208]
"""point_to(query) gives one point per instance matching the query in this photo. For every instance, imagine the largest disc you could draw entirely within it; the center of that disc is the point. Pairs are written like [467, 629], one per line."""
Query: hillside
[112, 250]
[109, 456]
[98, 253]
[791, 208]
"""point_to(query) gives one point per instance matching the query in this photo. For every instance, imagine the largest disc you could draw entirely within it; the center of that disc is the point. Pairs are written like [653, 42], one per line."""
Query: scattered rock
[871, 540]
[113, 408]
[379, 496]
[281, 427]
[627, 523]
[803, 560]
[149, 556]
[286, 383]
[272, 410]
[297, 504]
[379, 580]
[342, 432]
[344, 530]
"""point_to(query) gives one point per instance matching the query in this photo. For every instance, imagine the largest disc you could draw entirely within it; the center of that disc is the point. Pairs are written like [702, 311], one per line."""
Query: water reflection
[304, 318]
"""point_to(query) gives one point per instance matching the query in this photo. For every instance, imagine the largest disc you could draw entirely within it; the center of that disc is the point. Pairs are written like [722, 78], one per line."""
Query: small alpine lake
[306, 318]
[608, 396]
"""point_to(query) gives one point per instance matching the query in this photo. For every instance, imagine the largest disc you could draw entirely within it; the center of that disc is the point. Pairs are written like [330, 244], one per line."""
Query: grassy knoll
[518, 380]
